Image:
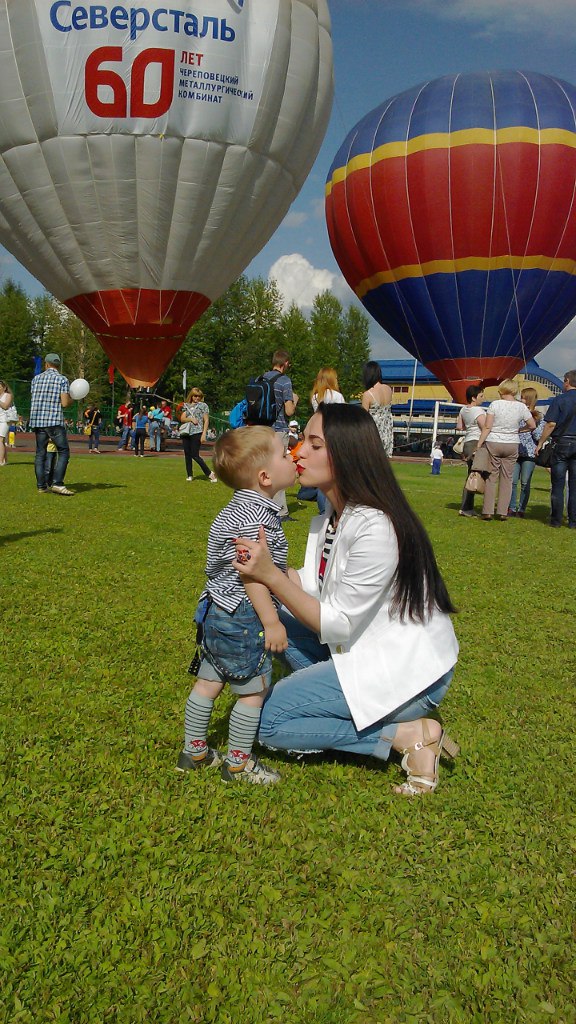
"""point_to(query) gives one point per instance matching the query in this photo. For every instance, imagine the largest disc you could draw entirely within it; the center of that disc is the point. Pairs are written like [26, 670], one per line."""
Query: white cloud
[319, 208]
[299, 282]
[553, 17]
[294, 219]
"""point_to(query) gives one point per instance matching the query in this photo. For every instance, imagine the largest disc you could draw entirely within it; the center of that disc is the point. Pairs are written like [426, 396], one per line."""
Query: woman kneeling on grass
[370, 640]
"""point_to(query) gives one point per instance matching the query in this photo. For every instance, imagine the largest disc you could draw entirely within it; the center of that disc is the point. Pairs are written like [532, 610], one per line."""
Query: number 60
[96, 76]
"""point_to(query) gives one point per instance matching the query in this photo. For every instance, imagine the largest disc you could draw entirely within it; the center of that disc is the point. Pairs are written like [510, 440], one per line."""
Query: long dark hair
[363, 476]
[371, 374]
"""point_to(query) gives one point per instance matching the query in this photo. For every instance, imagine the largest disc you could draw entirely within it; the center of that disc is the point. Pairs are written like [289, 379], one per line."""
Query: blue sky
[382, 47]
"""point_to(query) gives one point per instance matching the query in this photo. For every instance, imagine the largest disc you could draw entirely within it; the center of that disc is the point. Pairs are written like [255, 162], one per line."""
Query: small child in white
[241, 626]
[436, 456]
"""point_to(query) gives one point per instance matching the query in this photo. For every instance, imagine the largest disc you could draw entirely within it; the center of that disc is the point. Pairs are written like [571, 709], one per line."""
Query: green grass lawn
[131, 893]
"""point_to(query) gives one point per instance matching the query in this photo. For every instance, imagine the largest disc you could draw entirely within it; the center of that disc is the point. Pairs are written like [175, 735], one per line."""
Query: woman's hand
[253, 558]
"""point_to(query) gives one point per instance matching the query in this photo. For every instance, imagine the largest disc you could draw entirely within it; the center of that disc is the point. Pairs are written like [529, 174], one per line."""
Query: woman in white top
[325, 388]
[471, 419]
[6, 401]
[377, 400]
[367, 617]
[500, 435]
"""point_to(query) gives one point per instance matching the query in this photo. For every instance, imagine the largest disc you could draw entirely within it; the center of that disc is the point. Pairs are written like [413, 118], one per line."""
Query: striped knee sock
[196, 722]
[242, 730]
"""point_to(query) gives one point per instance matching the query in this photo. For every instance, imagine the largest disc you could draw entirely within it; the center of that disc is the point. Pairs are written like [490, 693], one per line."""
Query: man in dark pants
[560, 424]
[50, 396]
[286, 402]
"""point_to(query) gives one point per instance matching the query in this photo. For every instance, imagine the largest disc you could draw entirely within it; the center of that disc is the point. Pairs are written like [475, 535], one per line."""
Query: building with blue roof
[416, 395]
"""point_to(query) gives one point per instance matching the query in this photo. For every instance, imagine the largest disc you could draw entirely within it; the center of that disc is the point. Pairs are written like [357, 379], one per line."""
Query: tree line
[232, 341]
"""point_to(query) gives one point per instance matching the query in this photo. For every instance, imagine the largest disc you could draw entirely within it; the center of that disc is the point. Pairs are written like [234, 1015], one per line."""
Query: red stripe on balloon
[469, 201]
[457, 374]
[140, 329]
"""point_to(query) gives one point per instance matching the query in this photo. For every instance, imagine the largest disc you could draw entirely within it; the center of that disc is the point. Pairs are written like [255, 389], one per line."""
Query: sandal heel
[449, 746]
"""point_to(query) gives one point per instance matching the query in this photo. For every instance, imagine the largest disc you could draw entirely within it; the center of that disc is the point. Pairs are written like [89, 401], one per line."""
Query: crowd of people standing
[502, 443]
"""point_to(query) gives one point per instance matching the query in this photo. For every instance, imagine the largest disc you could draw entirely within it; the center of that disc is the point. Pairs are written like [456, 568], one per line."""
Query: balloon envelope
[451, 210]
[147, 153]
[79, 388]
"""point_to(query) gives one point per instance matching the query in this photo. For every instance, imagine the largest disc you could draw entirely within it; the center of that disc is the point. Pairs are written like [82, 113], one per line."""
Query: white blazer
[381, 662]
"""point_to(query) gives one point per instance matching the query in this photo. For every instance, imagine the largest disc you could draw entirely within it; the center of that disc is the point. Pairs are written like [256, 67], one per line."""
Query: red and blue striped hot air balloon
[451, 211]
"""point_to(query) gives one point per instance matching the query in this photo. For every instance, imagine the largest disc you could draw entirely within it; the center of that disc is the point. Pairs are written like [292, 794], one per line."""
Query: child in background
[436, 456]
[241, 625]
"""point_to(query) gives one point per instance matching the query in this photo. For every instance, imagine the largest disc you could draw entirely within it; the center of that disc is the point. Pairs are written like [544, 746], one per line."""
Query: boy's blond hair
[240, 454]
[508, 387]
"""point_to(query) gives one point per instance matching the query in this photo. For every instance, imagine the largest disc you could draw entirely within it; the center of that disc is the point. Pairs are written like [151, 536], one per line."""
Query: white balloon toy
[79, 388]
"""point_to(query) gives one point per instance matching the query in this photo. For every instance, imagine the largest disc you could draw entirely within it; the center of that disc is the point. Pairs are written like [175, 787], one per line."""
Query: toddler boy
[241, 626]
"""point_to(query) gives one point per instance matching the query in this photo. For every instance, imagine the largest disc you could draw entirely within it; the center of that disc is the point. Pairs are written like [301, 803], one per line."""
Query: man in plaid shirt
[50, 396]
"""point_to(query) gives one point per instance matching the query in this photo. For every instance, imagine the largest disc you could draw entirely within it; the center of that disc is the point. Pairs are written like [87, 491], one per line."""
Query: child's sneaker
[253, 771]
[188, 763]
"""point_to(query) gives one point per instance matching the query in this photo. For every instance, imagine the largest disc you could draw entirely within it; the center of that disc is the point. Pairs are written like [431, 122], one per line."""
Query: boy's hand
[275, 638]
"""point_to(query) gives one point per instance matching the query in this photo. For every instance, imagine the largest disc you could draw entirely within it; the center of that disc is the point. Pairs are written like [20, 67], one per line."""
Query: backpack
[237, 415]
[261, 401]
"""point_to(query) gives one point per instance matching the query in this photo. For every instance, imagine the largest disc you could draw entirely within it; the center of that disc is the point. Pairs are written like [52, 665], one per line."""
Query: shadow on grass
[11, 538]
[536, 512]
[81, 488]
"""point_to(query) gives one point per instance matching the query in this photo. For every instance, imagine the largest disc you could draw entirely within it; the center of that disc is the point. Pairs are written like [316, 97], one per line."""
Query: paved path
[173, 449]
[108, 446]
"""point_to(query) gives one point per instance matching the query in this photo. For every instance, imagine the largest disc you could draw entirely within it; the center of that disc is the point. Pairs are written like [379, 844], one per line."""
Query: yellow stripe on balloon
[450, 140]
[468, 263]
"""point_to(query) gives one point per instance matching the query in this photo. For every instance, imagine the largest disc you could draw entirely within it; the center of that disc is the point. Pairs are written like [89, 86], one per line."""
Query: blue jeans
[43, 436]
[522, 474]
[94, 439]
[563, 462]
[154, 435]
[313, 494]
[307, 711]
[125, 438]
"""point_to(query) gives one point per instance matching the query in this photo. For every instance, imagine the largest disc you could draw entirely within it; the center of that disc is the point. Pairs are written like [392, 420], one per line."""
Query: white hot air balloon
[148, 152]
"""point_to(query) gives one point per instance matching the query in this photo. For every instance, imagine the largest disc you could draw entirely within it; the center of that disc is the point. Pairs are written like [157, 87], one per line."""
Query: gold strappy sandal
[419, 785]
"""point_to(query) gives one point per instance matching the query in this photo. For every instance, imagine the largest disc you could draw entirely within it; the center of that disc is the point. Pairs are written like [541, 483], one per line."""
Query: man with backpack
[269, 402]
[285, 400]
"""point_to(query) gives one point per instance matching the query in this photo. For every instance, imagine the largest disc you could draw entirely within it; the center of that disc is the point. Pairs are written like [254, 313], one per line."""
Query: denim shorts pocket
[234, 642]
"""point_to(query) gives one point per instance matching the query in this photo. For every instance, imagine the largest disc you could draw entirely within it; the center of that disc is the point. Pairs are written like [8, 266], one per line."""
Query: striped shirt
[242, 517]
[46, 408]
[326, 549]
